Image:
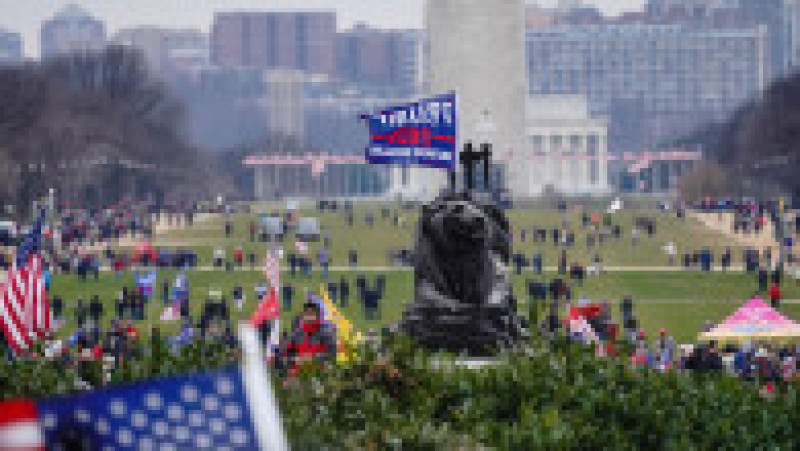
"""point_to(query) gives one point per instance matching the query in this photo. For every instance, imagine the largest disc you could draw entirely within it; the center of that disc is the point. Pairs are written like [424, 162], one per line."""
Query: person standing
[371, 304]
[119, 306]
[95, 310]
[287, 295]
[726, 259]
[763, 280]
[310, 341]
[324, 257]
[671, 251]
[238, 256]
[293, 263]
[537, 263]
[519, 260]
[80, 312]
[219, 257]
[775, 295]
[344, 291]
[666, 349]
[562, 263]
[58, 305]
[165, 292]
[353, 258]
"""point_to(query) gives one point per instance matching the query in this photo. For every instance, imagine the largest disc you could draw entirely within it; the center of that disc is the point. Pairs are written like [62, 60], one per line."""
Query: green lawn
[680, 301]
[372, 243]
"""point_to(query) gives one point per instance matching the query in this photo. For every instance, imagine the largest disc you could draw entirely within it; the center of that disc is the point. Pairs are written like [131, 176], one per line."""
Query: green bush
[548, 397]
[561, 398]
[38, 378]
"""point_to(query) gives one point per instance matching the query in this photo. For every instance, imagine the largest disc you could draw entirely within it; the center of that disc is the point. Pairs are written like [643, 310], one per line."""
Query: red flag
[267, 309]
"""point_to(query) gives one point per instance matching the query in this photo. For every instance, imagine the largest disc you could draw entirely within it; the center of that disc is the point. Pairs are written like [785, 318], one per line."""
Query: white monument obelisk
[477, 49]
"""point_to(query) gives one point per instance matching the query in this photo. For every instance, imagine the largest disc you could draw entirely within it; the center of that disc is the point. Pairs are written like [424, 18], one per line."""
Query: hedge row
[548, 397]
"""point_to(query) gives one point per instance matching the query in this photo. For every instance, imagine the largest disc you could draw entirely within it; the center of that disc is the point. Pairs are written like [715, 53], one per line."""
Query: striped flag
[24, 310]
[272, 270]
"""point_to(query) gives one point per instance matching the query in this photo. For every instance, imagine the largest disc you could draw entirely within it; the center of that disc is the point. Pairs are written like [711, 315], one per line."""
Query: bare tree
[97, 127]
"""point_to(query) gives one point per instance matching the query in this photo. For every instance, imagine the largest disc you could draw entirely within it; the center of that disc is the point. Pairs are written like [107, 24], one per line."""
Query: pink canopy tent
[755, 321]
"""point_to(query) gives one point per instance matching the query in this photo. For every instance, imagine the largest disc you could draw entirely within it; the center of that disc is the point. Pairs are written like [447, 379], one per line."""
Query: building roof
[73, 11]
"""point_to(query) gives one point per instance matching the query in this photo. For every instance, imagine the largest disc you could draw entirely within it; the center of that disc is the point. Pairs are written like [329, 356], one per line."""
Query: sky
[25, 16]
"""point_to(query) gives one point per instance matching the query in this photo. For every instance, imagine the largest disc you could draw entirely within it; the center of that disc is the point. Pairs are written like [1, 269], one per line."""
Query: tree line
[97, 128]
[756, 151]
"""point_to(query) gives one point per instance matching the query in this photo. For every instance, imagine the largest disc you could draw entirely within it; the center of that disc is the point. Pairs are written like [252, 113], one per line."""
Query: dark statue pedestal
[463, 301]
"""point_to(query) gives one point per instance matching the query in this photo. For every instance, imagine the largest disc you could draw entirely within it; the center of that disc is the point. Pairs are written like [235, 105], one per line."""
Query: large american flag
[24, 310]
[231, 409]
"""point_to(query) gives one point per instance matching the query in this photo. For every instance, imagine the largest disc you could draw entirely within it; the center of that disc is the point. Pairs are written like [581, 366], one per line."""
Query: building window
[594, 172]
[575, 143]
[537, 144]
[592, 145]
[556, 143]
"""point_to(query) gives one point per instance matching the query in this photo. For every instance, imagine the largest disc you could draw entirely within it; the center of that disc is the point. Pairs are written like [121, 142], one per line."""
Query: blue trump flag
[180, 289]
[421, 133]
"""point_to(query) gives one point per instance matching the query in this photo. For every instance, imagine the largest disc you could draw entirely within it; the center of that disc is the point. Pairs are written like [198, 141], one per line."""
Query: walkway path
[723, 223]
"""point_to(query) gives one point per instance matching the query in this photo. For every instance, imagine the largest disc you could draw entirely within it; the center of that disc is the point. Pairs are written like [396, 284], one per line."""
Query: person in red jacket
[775, 295]
[238, 256]
[312, 340]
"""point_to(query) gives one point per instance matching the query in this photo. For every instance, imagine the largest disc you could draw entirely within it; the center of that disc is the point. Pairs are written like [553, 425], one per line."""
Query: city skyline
[26, 17]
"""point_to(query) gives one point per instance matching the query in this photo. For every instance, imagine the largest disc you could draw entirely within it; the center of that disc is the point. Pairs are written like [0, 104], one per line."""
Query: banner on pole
[422, 133]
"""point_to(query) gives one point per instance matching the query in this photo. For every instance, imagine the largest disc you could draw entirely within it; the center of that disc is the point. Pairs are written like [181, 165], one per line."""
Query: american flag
[231, 409]
[24, 310]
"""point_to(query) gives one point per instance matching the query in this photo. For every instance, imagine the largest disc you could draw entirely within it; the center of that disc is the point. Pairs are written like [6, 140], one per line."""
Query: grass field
[679, 301]
[372, 243]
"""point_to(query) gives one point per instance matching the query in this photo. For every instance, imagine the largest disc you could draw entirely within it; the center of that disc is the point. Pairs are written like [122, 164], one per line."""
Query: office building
[384, 62]
[10, 47]
[775, 15]
[303, 41]
[538, 16]
[654, 82]
[167, 50]
[71, 30]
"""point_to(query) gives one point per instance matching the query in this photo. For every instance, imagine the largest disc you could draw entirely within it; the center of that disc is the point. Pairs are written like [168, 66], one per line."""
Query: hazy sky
[25, 16]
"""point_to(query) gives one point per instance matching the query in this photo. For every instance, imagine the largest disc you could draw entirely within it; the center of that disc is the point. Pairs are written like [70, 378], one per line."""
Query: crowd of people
[763, 362]
[310, 338]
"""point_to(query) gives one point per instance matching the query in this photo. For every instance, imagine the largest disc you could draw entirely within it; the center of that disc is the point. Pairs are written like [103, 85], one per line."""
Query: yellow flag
[344, 329]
